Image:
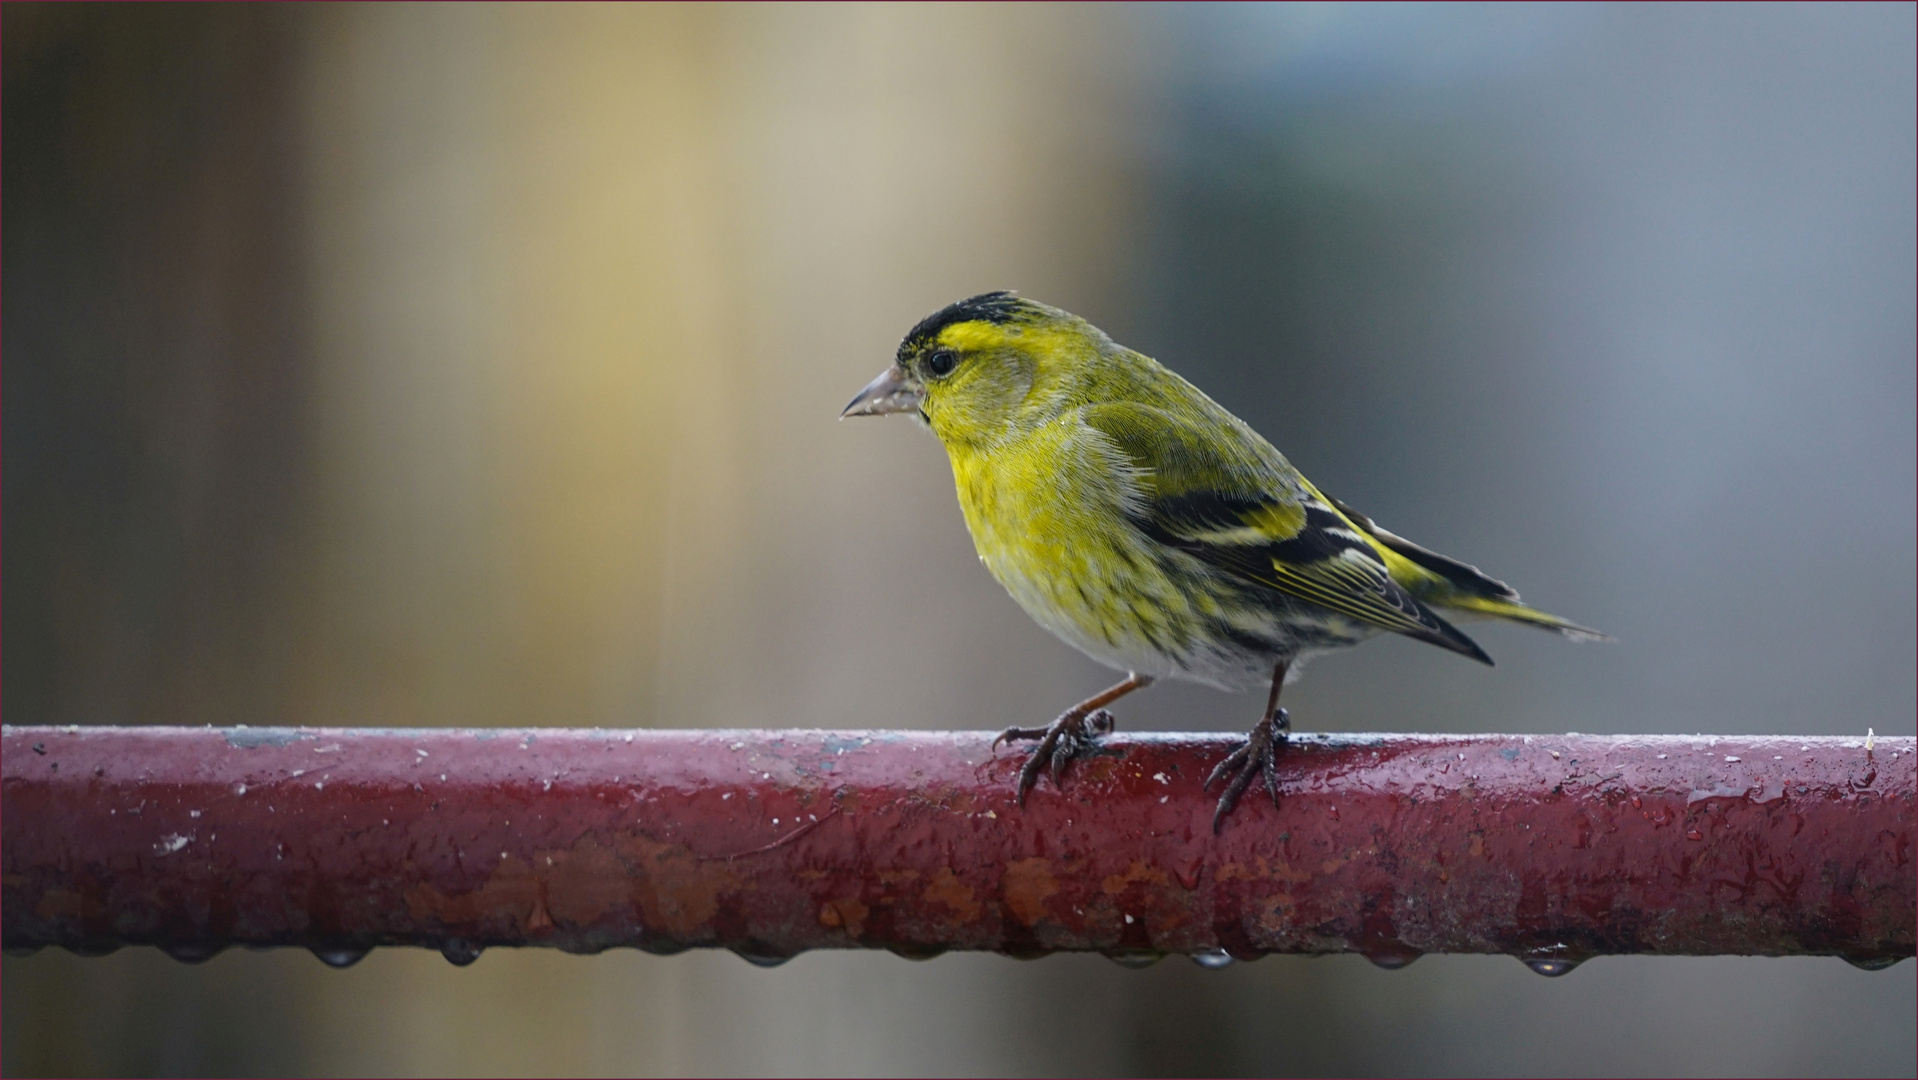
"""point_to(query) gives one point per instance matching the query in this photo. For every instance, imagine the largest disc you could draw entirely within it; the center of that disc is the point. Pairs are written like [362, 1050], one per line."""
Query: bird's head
[975, 369]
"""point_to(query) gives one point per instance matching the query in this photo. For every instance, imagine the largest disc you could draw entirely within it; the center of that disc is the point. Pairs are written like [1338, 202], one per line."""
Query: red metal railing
[1551, 848]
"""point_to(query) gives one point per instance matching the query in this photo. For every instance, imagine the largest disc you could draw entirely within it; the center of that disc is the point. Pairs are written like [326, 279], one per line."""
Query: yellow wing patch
[1270, 523]
[1277, 520]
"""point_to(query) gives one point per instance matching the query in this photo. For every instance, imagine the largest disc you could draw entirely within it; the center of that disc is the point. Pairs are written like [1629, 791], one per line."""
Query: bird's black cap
[1000, 307]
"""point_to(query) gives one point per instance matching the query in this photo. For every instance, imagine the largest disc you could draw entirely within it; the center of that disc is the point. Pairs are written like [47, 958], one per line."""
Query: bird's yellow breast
[1041, 509]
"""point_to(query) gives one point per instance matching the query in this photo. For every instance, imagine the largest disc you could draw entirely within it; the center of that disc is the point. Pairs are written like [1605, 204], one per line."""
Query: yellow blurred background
[412, 365]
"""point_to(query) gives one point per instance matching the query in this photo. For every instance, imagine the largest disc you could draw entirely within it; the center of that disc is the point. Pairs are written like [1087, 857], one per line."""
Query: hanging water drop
[917, 952]
[191, 952]
[761, 959]
[1871, 963]
[460, 952]
[1393, 959]
[342, 957]
[1214, 960]
[1138, 958]
[22, 950]
[1551, 967]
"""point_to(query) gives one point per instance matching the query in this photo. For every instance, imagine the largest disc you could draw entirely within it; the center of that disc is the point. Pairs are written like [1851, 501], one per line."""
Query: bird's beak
[893, 391]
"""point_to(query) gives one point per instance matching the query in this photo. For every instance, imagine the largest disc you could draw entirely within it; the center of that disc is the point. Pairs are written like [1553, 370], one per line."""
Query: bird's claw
[1258, 756]
[1013, 733]
[1059, 742]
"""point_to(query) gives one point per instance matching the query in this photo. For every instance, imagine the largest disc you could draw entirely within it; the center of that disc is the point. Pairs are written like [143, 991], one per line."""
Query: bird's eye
[941, 363]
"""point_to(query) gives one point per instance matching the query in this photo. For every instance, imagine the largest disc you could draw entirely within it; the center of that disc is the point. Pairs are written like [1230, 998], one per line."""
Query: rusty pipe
[1551, 848]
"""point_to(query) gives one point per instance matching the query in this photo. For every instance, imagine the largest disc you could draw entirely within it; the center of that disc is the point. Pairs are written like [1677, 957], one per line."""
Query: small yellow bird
[1144, 524]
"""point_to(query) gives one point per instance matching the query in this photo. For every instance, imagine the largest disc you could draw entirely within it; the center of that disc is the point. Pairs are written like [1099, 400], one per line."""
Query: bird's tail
[1517, 612]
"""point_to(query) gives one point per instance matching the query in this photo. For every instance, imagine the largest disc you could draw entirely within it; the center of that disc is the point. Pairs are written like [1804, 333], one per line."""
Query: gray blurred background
[463, 365]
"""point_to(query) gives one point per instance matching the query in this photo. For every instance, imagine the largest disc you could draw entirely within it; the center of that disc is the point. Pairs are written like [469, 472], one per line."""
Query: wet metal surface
[1550, 848]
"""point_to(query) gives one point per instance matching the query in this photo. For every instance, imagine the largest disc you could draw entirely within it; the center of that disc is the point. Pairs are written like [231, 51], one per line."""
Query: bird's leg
[1258, 757]
[1067, 737]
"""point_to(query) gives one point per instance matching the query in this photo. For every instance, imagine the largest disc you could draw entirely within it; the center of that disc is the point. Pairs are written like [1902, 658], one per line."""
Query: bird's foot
[1259, 756]
[1059, 742]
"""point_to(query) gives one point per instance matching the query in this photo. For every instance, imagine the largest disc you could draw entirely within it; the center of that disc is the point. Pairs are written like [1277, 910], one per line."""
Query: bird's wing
[1460, 575]
[1211, 488]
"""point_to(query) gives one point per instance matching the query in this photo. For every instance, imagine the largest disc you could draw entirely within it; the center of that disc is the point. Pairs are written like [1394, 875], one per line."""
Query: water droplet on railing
[460, 952]
[1135, 959]
[90, 948]
[662, 948]
[1871, 963]
[341, 957]
[1551, 967]
[1394, 959]
[1214, 960]
[917, 952]
[192, 953]
[761, 959]
[22, 950]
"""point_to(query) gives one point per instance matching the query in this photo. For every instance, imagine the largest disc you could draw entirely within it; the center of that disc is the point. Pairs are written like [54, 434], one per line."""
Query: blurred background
[461, 365]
